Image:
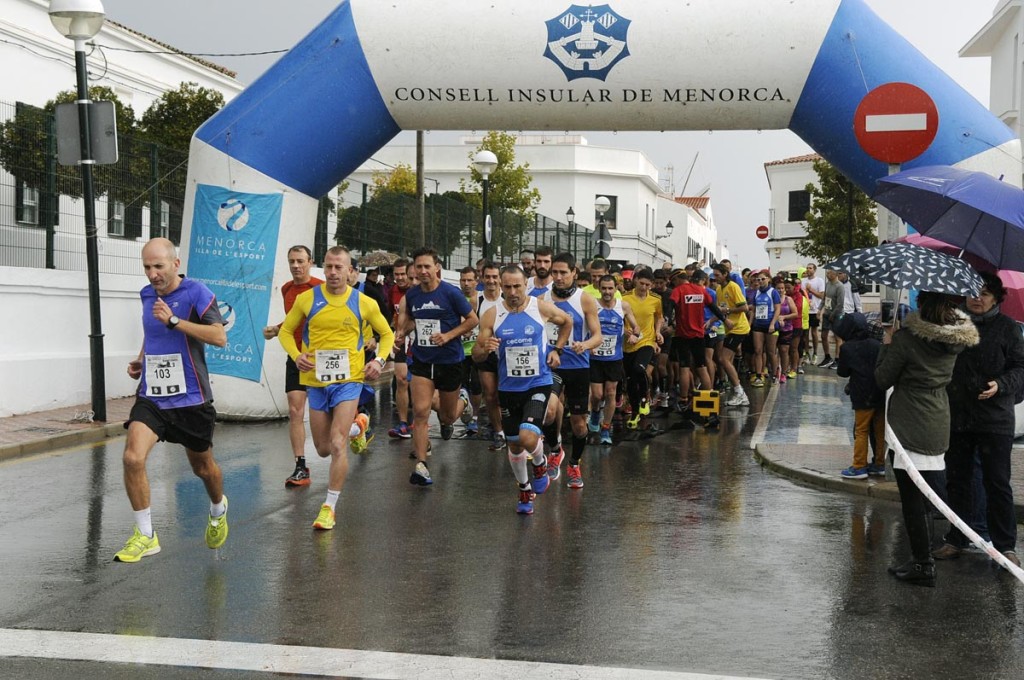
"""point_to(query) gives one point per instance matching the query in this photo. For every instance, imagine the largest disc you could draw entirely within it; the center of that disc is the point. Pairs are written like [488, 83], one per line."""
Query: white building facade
[790, 201]
[44, 361]
[570, 173]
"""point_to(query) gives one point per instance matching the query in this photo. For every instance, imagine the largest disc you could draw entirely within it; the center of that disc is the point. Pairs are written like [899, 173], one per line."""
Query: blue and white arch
[371, 69]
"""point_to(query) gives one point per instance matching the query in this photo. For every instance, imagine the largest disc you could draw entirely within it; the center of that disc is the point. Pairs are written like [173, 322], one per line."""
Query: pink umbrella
[1013, 305]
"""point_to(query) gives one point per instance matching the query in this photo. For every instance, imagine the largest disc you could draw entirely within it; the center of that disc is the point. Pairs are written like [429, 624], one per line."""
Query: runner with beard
[540, 283]
[574, 369]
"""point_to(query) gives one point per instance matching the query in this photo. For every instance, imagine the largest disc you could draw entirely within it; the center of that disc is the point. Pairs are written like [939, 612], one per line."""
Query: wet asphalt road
[679, 554]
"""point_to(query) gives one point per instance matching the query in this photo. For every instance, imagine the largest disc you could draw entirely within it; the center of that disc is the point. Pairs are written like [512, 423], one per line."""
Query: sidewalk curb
[89, 435]
[771, 457]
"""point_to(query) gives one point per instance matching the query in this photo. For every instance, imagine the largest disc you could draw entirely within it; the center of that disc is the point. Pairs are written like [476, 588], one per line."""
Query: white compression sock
[144, 521]
[538, 454]
[518, 461]
[332, 498]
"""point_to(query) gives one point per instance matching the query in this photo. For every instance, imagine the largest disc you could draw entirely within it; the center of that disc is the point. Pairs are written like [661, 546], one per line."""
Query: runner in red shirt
[690, 300]
[400, 270]
[300, 261]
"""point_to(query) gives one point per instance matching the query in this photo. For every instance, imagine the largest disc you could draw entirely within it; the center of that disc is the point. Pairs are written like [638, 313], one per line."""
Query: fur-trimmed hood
[955, 337]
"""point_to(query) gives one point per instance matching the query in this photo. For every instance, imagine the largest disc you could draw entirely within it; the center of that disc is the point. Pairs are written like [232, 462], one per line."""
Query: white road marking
[766, 417]
[897, 122]
[105, 648]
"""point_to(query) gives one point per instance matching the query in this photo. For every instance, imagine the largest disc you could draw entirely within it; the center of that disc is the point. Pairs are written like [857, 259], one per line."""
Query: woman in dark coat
[982, 393]
[918, 364]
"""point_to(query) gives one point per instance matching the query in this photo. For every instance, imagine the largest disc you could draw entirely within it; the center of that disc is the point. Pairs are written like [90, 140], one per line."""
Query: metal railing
[389, 222]
[41, 212]
[143, 194]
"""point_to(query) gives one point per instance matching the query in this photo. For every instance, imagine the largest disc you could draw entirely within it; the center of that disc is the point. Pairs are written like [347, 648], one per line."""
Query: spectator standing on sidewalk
[857, 359]
[831, 312]
[918, 365]
[814, 287]
[985, 381]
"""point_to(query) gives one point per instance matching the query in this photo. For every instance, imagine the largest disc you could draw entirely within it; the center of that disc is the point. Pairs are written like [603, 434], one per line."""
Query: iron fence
[389, 222]
[41, 211]
[142, 196]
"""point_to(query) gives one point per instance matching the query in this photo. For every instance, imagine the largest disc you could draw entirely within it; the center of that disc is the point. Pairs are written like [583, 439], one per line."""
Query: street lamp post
[80, 20]
[604, 238]
[485, 162]
[570, 219]
[668, 232]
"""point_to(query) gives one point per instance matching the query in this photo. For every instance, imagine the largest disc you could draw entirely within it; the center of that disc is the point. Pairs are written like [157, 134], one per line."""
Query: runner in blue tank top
[436, 315]
[575, 369]
[606, 367]
[515, 330]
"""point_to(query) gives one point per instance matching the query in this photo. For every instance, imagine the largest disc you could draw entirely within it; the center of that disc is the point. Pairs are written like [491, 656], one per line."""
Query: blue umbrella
[971, 210]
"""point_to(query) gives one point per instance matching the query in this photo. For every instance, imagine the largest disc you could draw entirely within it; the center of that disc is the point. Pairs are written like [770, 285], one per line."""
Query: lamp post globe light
[570, 220]
[80, 20]
[485, 162]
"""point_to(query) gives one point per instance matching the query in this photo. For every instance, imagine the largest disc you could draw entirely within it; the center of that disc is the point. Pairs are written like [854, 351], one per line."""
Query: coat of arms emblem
[586, 42]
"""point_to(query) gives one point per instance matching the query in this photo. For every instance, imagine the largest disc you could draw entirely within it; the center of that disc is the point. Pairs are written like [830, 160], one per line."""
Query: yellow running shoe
[137, 547]
[359, 443]
[325, 520]
[217, 528]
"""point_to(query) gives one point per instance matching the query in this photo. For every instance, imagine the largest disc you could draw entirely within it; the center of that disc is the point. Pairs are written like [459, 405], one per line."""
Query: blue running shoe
[594, 422]
[525, 504]
[540, 478]
[420, 476]
[606, 436]
[401, 431]
[854, 473]
[876, 470]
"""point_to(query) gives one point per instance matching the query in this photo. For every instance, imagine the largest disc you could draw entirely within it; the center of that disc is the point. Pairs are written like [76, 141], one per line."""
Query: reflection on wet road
[679, 554]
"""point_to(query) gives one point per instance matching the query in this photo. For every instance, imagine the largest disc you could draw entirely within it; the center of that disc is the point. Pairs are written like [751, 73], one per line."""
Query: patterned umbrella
[902, 265]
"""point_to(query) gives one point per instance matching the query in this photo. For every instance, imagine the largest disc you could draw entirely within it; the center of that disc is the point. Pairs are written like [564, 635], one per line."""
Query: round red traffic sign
[896, 122]
[762, 232]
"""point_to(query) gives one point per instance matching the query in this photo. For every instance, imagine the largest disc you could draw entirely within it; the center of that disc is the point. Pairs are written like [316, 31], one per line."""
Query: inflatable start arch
[371, 69]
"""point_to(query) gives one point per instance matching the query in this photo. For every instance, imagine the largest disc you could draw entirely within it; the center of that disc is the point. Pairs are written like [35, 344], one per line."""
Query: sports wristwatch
[172, 323]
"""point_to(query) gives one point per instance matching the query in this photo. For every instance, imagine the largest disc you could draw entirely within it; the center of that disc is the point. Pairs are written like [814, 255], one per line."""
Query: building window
[27, 204]
[161, 224]
[799, 205]
[115, 218]
[610, 215]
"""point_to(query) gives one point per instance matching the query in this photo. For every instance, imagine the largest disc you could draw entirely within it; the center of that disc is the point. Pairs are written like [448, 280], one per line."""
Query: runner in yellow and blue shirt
[331, 363]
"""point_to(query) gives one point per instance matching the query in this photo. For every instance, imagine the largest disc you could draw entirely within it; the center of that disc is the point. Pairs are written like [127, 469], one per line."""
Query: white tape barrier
[930, 494]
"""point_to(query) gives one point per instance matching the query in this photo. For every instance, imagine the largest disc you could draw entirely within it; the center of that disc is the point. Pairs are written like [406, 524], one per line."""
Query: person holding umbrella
[918, 365]
[986, 379]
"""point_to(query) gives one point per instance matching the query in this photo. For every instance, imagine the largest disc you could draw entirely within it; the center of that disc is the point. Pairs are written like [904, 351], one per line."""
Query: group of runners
[528, 344]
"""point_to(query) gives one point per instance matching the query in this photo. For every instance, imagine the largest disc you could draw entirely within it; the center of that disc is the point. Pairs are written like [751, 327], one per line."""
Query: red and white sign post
[896, 122]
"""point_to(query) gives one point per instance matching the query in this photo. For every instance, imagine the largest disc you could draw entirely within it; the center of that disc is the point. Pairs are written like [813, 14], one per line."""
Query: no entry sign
[762, 232]
[896, 122]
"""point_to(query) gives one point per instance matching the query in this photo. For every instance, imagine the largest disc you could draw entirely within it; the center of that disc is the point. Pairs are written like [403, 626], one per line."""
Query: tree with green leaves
[400, 179]
[174, 117]
[830, 231]
[168, 125]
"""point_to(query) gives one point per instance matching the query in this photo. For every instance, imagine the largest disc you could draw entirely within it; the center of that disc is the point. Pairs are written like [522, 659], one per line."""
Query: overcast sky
[732, 163]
